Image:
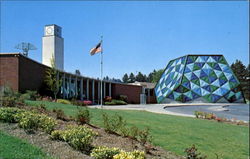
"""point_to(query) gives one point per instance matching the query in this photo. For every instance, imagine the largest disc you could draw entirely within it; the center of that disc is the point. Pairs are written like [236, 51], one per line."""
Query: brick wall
[131, 91]
[31, 74]
[9, 71]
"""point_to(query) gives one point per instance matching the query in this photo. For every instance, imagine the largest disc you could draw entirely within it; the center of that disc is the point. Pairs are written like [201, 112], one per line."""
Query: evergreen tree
[140, 77]
[157, 75]
[150, 77]
[77, 72]
[125, 78]
[242, 73]
[131, 78]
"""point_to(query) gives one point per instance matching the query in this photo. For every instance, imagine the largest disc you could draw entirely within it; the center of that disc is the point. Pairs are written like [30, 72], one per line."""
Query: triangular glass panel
[222, 60]
[210, 59]
[216, 58]
[193, 86]
[218, 73]
[196, 93]
[204, 58]
[194, 77]
[203, 83]
[187, 85]
[199, 59]
[216, 83]
[207, 88]
[187, 70]
[215, 98]
[204, 92]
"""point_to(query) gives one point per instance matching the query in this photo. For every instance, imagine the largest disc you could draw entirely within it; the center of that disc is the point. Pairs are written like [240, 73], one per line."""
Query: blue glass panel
[211, 79]
[203, 74]
[217, 67]
[194, 77]
[221, 81]
[215, 98]
[216, 58]
[196, 93]
[171, 96]
[187, 85]
[207, 88]
[204, 58]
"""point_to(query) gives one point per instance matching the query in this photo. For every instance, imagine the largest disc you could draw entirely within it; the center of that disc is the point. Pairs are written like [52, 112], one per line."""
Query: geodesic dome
[198, 78]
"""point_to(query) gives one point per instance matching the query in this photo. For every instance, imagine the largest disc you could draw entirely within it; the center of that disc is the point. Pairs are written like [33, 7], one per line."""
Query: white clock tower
[53, 46]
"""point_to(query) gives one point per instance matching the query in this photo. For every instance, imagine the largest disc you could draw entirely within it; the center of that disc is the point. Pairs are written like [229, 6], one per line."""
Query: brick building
[22, 73]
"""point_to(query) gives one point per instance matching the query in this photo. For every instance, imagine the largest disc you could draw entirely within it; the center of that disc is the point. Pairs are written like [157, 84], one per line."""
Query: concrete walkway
[157, 108]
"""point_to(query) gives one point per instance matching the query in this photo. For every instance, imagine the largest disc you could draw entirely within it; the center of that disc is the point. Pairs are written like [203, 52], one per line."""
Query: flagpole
[101, 68]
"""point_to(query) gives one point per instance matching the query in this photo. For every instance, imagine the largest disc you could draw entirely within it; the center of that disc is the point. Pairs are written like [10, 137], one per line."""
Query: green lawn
[177, 133]
[12, 147]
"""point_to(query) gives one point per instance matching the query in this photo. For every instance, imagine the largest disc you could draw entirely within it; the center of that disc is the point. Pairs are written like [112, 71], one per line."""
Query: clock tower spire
[53, 46]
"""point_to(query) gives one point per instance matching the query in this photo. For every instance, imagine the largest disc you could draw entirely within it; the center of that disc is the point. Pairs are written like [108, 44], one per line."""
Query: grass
[12, 147]
[176, 133]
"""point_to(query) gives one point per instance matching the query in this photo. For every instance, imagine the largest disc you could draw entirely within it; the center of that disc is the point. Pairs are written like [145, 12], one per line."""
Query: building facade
[198, 78]
[22, 73]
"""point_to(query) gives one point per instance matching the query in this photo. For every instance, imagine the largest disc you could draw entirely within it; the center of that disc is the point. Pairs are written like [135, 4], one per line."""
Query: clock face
[49, 31]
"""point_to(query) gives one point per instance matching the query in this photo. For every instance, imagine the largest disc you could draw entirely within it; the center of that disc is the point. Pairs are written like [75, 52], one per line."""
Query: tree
[77, 72]
[125, 78]
[52, 78]
[131, 78]
[242, 73]
[106, 78]
[157, 75]
[150, 76]
[140, 77]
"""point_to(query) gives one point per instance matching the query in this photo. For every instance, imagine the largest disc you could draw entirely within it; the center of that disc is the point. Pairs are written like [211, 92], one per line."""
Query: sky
[137, 36]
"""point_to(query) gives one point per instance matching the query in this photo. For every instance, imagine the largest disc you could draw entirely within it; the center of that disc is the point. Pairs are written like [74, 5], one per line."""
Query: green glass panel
[211, 64]
[196, 81]
[222, 60]
[184, 79]
[193, 58]
[212, 73]
[223, 77]
[205, 79]
[179, 98]
[232, 84]
[208, 97]
[213, 88]
[196, 67]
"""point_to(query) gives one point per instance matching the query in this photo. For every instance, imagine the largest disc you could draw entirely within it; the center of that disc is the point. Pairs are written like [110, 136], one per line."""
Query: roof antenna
[25, 47]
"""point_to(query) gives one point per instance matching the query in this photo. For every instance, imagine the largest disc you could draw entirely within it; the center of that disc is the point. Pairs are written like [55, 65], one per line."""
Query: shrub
[9, 97]
[83, 116]
[123, 98]
[9, 114]
[130, 155]
[56, 135]
[60, 114]
[79, 137]
[104, 152]
[63, 101]
[107, 99]
[78, 102]
[29, 95]
[113, 123]
[87, 102]
[32, 121]
[29, 121]
[115, 102]
[191, 153]
[46, 123]
[144, 136]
